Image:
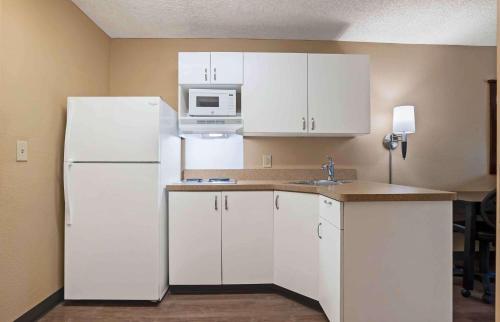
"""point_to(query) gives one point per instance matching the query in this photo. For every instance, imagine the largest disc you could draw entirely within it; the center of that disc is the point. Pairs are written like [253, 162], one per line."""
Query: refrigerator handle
[67, 194]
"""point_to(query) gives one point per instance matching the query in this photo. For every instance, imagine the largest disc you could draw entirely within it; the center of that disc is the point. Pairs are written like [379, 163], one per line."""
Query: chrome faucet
[329, 167]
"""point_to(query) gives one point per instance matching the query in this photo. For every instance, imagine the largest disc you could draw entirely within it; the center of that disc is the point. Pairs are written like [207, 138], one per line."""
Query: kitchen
[278, 147]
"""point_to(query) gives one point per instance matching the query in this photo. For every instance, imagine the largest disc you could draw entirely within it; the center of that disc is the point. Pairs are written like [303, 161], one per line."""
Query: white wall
[219, 153]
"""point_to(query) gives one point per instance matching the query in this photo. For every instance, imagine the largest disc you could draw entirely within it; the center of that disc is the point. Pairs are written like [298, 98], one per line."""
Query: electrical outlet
[267, 160]
[22, 150]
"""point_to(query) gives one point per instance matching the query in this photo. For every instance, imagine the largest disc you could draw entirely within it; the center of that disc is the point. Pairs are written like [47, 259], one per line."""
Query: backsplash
[270, 174]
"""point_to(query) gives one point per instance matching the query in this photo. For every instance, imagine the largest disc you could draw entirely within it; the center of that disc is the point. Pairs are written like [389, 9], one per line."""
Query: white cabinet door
[194, 238]
[274, 93]
[226, 67]
[194, 68]
[296, 242]
[247, 237]
[338, 94]
[330, 270]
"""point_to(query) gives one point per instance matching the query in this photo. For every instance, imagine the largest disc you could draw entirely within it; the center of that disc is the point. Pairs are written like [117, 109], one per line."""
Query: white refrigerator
[119, 154]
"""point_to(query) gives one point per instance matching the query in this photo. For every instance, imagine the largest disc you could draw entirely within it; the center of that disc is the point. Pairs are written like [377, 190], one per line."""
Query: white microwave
[212, 102]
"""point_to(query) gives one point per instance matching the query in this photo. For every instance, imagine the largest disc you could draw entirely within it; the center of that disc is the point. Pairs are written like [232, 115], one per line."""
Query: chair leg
[484, 250]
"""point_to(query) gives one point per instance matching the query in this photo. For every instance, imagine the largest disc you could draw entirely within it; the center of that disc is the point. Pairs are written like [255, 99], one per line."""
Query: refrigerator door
[111, 129]
[113, 231]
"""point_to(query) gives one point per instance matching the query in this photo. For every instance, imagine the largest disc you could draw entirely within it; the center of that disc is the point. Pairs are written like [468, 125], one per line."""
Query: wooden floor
[232, 307]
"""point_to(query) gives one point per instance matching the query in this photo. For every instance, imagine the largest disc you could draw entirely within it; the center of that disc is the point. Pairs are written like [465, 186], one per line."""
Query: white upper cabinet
[338, 94]
[289, 94]
[274, 93]
[198, 68]
[194, 68]
[226, 68]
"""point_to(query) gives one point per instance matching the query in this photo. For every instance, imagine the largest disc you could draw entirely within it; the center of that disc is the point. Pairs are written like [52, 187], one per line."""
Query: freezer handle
[67, 194]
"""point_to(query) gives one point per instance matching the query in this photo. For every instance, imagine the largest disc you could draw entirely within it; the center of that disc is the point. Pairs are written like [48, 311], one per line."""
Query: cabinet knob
[206, 74]
[216, 204]
[303, 123]
[319, 236]
[276, 202]
[313, 124]
[215, 74]
[225, 203]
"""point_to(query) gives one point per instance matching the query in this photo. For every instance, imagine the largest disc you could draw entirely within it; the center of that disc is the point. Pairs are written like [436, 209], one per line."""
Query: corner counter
[353, 191]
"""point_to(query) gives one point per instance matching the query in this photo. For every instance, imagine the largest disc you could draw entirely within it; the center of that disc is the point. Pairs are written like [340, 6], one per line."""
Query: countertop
[354, 191]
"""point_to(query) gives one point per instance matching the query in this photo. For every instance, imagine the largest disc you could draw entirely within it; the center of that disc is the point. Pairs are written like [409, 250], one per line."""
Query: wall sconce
[403, 123]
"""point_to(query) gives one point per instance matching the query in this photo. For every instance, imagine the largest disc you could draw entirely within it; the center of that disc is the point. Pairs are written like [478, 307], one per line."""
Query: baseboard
[305, 300]
[217, 289]
[245, 288]
[43, 307]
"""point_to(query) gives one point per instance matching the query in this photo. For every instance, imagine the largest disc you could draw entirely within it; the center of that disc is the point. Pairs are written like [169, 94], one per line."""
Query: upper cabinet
[274, 94]
[194, 68]
[338, 94]
[198, 68]
[286, 94]
[227, 68]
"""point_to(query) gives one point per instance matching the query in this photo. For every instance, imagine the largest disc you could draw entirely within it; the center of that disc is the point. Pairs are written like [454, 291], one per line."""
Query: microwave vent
[200, 125]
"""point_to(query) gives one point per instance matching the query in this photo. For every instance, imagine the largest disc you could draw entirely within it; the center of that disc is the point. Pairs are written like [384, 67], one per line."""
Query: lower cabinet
[330, 259]
[220, 237]
[194, 238]
[343, 254]
[247, 237]
[296, 242]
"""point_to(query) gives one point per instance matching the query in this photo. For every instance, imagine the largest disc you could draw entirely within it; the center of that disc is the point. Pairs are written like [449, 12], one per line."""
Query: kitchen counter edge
[349, 192]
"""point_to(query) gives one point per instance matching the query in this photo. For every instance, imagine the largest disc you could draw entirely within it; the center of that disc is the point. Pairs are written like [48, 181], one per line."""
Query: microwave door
[208, 101]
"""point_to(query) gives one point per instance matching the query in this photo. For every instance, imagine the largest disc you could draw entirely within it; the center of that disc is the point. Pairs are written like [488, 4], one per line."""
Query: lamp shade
[403, 119]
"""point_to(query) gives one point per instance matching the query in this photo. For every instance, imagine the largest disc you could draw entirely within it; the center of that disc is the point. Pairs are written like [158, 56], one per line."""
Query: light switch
[22, 150]
[267, 161]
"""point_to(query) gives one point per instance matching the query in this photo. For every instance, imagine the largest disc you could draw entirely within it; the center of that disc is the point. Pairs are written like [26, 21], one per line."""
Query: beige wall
[446, 83]
[50, 50]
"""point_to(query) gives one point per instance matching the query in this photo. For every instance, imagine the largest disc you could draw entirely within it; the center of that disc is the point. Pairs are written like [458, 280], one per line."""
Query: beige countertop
[354, 191]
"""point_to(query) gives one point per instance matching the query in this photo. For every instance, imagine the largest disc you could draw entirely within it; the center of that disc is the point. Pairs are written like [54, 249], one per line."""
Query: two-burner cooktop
[210, 181]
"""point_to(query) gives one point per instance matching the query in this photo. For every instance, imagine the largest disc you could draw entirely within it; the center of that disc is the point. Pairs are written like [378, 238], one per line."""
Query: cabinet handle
[319, 225]
[327, 202]
[215, 74]
[312, 124]
[303, 123]
[225, 203]
[216, 206]
[276, 203]
[206, 74]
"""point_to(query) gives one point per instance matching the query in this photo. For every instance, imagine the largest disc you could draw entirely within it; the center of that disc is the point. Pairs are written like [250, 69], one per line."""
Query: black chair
[482, 230]
[486, 235]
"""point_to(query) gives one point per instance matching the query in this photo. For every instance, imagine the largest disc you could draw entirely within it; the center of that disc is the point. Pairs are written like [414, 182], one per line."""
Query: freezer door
[113, 129]
[112, 232]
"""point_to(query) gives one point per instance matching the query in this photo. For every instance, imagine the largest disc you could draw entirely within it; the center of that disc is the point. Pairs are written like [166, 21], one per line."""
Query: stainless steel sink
[321, 182]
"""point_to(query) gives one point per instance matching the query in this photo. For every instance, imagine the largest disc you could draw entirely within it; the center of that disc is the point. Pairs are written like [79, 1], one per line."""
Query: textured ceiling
[458, 22]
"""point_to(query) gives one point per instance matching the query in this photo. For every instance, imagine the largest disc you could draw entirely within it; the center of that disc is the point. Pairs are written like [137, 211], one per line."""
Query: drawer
[331, 211]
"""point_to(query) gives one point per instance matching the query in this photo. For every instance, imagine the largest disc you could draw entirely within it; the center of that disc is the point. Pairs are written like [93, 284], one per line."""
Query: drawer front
[331, 211]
